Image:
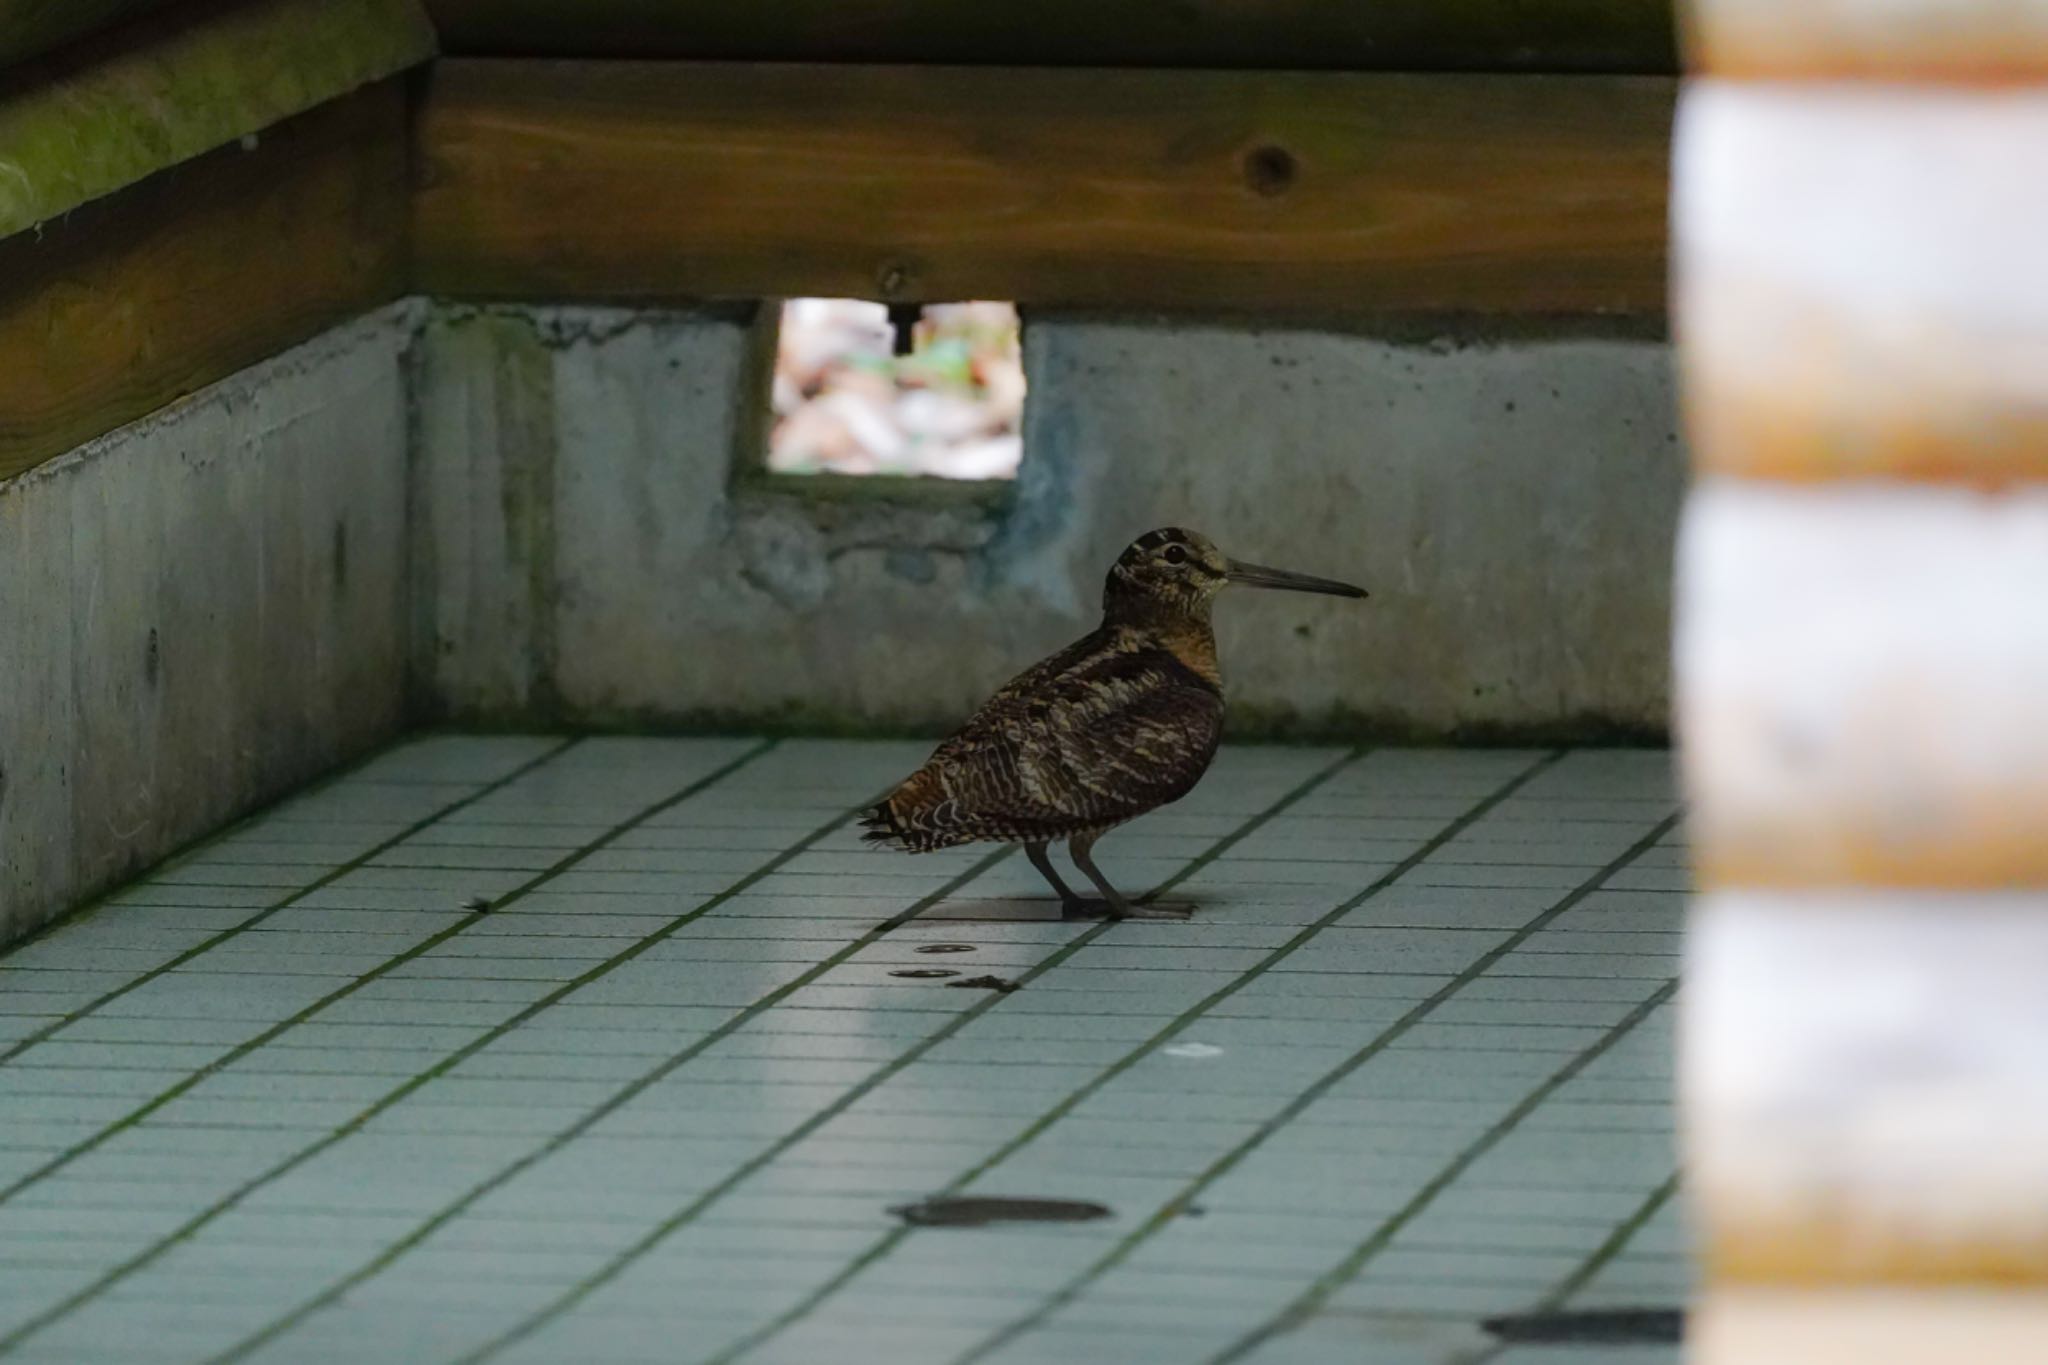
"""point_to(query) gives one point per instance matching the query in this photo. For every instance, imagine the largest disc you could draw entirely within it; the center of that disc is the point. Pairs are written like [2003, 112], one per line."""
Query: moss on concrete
[74, 130]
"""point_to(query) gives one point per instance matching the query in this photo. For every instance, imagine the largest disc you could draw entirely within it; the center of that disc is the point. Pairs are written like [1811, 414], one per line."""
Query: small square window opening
[937, 391]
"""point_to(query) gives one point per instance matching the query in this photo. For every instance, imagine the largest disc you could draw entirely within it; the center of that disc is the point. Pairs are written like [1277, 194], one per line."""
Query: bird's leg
[1043, 862]
[1113, 904]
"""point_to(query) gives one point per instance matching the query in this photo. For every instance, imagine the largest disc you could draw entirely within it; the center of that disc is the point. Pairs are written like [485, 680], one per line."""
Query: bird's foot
[1099, 909]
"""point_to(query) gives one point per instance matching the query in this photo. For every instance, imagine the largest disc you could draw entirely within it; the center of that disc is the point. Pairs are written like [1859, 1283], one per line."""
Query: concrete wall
[198, 612]
[587, 550]
[202, 610]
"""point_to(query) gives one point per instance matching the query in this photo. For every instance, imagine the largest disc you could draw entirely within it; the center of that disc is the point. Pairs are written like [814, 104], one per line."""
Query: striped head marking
[1178, 571]
[1170, 567]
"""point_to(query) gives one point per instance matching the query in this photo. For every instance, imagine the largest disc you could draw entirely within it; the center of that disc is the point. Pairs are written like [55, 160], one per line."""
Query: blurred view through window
[846, 403]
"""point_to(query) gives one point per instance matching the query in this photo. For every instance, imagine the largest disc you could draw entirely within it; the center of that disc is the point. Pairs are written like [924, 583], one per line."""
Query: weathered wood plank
[1372, 35]
[138, 299]
[87, 121]
[630, 180]
[1861, 656]
[1861, 670]
[1864, 1099]
[1965, 41]
[1988, 1325]
[1834, 325]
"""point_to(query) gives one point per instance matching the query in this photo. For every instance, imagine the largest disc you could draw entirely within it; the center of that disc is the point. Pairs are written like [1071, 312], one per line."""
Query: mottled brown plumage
[1123, 721]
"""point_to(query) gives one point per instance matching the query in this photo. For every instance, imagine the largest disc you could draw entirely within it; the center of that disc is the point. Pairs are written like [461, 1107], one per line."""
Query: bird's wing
[1097, 734]
[1125, 733]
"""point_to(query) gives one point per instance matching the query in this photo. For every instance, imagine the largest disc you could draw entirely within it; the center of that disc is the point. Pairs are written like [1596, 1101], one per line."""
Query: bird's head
[1182, 571]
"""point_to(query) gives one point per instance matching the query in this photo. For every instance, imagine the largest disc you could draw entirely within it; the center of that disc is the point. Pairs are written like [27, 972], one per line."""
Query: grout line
[895, 1237]
[483, 1222]
[241, 824]
[1311, 1300]
[450, 1060]
[1596, 1260]
[472, 978]
[343, 1074]
[1278, 860]
[243, 1049]
[540, 936]
[624, 1095]
[1287, 1114]
[793, 1009]
[1622, 1235]
[691, 1211]
[14, 1050]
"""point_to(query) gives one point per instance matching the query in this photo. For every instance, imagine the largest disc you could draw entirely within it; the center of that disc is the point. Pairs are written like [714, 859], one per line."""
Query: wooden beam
[1865, 1101]
[1833, 328]
[29, 28]
[1380, 35]
[1969, 42]
[92, 119]
[141, 298]
[1984, 1325]
[1861, 657]
[1320, 193]
[1860, 679]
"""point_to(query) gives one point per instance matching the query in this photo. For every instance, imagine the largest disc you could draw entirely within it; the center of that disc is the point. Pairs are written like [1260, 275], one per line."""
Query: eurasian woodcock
[1123, 721]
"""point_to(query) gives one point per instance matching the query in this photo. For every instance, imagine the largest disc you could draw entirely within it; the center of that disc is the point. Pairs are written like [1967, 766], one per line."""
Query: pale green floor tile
[715, 1123]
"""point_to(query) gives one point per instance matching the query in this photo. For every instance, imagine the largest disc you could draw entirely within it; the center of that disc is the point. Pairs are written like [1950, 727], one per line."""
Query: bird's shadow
[1025, 909]
[994, 910]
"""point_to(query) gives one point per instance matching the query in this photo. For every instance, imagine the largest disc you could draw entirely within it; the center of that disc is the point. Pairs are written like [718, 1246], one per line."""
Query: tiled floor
[525, 1050]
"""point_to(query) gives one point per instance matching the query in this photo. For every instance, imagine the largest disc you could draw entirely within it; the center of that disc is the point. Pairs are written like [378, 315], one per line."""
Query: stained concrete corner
[199, 612]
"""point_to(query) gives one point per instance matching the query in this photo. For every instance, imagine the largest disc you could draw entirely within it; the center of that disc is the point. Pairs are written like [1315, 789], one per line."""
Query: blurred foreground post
[1860, 224]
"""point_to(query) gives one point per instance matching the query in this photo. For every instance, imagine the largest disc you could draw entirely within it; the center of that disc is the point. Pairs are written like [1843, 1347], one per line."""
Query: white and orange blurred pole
[1860, 221]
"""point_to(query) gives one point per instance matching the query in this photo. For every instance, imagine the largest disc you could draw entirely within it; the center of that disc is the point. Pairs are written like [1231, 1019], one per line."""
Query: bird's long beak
[1259, 576]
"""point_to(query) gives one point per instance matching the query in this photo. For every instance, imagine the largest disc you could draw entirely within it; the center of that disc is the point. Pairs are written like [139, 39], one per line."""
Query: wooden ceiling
[1625, 36]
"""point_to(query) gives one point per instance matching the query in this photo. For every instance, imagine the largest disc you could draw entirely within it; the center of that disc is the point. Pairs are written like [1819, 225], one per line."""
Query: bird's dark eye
[1176, 555]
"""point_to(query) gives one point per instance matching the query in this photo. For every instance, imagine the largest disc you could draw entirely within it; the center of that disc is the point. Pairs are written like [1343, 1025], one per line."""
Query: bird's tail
[918, 817]
[882, 827]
